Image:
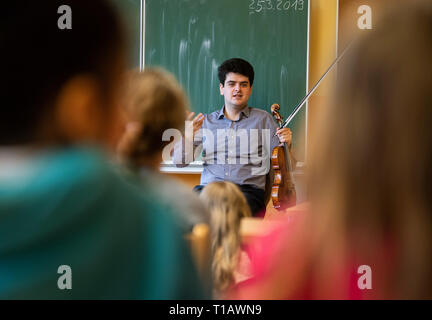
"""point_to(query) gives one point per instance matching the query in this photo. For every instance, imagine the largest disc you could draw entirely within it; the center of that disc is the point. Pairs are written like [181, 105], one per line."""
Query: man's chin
[239, 105]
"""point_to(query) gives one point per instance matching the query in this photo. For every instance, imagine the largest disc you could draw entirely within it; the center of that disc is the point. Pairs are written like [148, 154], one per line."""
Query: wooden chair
[253, 228]
[199, 243]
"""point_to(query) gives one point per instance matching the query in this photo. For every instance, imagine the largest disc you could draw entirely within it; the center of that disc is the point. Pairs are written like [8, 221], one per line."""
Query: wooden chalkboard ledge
[197, 167]
[194, 167]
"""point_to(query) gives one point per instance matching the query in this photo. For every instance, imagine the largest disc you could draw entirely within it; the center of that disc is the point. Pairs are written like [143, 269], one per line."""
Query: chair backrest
[252, 228]
[199, 244]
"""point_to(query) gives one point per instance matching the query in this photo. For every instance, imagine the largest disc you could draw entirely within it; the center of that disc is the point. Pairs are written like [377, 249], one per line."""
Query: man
[237, 140]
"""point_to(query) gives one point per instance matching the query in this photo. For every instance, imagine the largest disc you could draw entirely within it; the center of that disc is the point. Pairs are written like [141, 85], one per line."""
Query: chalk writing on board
[259, 6]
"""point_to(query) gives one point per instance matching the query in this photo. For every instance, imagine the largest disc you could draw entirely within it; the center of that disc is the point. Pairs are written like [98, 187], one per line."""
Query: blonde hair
[156, 101]
[371, 172]
[227, 206]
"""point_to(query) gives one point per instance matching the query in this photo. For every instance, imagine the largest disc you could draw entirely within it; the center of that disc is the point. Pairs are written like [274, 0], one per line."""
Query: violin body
[283, 189]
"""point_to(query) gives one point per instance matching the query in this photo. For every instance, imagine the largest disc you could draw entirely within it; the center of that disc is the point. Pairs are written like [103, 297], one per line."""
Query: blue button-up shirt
[237, 151]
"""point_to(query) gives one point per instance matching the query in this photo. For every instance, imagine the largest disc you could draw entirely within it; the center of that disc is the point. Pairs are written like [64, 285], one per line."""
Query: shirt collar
[245, 112]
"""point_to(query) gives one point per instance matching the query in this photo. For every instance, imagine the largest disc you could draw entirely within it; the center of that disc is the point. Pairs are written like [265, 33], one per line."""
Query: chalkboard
[191, 38]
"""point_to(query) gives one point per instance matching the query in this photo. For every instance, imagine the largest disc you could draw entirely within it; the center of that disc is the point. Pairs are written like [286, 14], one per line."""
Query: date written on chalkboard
[257, 6]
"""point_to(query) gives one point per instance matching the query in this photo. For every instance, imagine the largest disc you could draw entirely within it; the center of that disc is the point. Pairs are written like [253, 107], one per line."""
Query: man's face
[236, 90]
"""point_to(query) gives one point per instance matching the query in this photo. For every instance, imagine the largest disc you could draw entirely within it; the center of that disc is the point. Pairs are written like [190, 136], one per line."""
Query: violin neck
[288, 157]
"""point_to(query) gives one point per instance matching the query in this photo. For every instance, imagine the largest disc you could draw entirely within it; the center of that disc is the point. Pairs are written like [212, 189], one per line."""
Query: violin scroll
[275, 113]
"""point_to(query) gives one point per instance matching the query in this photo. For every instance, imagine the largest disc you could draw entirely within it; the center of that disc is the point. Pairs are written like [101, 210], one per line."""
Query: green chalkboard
[191, 38]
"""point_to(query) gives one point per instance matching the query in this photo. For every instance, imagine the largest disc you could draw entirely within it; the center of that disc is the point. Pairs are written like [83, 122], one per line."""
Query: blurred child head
[59, 86]
[227, 206]
[372, 178]
[155, 102]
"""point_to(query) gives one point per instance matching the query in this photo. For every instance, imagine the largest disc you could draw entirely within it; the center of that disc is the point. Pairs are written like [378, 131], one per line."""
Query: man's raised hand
[197, 121]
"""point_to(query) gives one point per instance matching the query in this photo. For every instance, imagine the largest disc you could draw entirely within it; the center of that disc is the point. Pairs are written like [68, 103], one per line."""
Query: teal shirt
[73, 208]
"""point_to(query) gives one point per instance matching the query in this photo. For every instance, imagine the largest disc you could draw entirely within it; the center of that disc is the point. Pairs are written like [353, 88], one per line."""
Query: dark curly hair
[236, 65]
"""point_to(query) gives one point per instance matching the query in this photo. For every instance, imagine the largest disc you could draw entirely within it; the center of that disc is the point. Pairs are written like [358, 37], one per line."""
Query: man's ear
[78, 114]
[221, 89]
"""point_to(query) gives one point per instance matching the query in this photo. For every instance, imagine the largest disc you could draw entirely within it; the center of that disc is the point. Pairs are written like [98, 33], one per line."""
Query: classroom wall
[349, 16]
[189, 179]
[323, 40]
[333, 25]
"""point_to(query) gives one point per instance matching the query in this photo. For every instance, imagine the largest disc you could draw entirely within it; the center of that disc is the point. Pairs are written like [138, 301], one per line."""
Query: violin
[283, 190]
